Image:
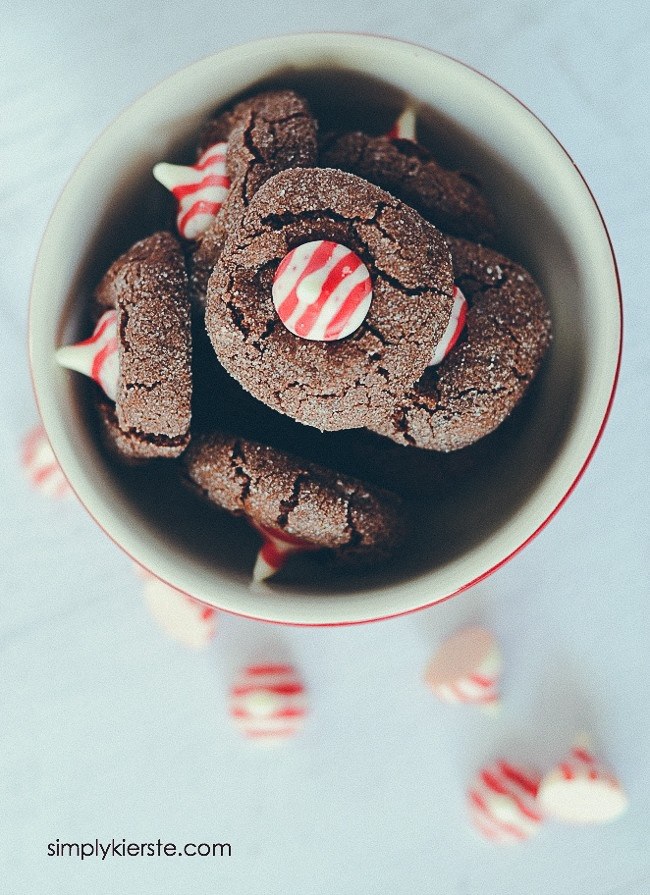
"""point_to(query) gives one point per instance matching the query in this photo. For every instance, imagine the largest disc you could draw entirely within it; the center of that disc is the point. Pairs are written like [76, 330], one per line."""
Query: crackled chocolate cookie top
[266, 134]
[449, 199]
[131, 446]
[354, 381]
[149, 253]
[148, 288]
[478, 384]
[295, 498]
[216, 130]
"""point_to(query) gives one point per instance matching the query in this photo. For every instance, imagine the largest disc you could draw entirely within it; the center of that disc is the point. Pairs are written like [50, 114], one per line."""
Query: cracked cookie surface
[267, 133]
[483, 378]
[355, 381]
[131, 446]
[449, 199]
[305, 500]
[148, 287]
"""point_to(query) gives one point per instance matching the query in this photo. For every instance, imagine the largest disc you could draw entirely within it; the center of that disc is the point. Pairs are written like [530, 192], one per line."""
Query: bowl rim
[259, 44]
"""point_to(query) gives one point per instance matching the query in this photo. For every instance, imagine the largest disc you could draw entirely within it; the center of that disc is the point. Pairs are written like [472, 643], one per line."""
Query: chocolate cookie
[131, 446]
[294, 498]
[267, 133]
[148, 287]
[349, 382]
[482, 379]
[449, 199]
[216, 130]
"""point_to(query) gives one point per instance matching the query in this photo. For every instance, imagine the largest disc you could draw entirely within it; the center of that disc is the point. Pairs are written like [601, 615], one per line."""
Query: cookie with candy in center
[330, 299]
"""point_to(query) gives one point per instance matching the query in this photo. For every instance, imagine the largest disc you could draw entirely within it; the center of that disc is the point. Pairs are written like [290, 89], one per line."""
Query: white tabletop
[110, 730]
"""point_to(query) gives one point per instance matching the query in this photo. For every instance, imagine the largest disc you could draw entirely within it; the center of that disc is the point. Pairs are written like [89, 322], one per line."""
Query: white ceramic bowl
[551, 224]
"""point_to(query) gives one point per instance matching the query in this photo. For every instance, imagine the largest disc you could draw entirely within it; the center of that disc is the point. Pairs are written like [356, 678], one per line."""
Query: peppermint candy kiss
[322, 291]
[183, 618]
[581, 790]
[200, 189]
[98, 356]
[278, 546]
[502, 803]
[467, 669]
[41, 466]
[454, 328]
[404, 127]
[267, 702]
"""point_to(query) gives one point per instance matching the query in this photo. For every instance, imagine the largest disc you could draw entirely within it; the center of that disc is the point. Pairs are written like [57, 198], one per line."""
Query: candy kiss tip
[262, 570]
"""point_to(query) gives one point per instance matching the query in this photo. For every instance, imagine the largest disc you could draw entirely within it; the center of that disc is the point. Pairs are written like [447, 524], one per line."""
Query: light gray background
[107, 729]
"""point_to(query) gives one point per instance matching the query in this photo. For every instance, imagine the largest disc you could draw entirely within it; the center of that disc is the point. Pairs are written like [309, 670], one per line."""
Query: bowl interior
[473, 510]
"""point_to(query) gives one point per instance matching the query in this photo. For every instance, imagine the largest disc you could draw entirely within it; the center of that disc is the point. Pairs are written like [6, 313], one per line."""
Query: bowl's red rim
[505, 559]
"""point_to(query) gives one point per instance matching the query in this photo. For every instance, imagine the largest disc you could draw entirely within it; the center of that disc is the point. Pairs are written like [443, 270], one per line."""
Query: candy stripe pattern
[98, 356]
[199, 189]
[322, 291]
[183, 618]
[278, 546]
[267, 702]
[454, 328]
[404, 127]
[502, 803]
[467, 669]
[581, 790]
[40, 465]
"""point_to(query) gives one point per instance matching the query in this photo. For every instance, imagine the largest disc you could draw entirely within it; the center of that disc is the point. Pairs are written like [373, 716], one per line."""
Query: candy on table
[200, 189]
[467, 669]
[98, 356]
[278, 546]
[581, 790]
[502, 803]
[41, 466]
[183, 618]
[454, 328]
[267, 702]
[322, 291]
[404, 127]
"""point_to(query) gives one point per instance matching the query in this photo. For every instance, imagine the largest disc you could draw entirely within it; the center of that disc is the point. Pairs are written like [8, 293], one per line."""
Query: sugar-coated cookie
[266, 133]
[301, 500]
[478, 384]
[352, 381]
[451, 200]
[140, 352]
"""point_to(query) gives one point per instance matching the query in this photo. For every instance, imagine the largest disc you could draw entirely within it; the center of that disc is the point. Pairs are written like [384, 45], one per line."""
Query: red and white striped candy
[183, 618]
[41, 466]
[98, 356]
[404, 127]
[453, 330]
[278, 546]
[267, 702]
[322, 291]
[502, 803]
[200, 189]
[581, 790]
[467, 669]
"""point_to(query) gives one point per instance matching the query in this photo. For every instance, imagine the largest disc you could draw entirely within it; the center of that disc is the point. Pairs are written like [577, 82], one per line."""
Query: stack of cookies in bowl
[323, 327]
